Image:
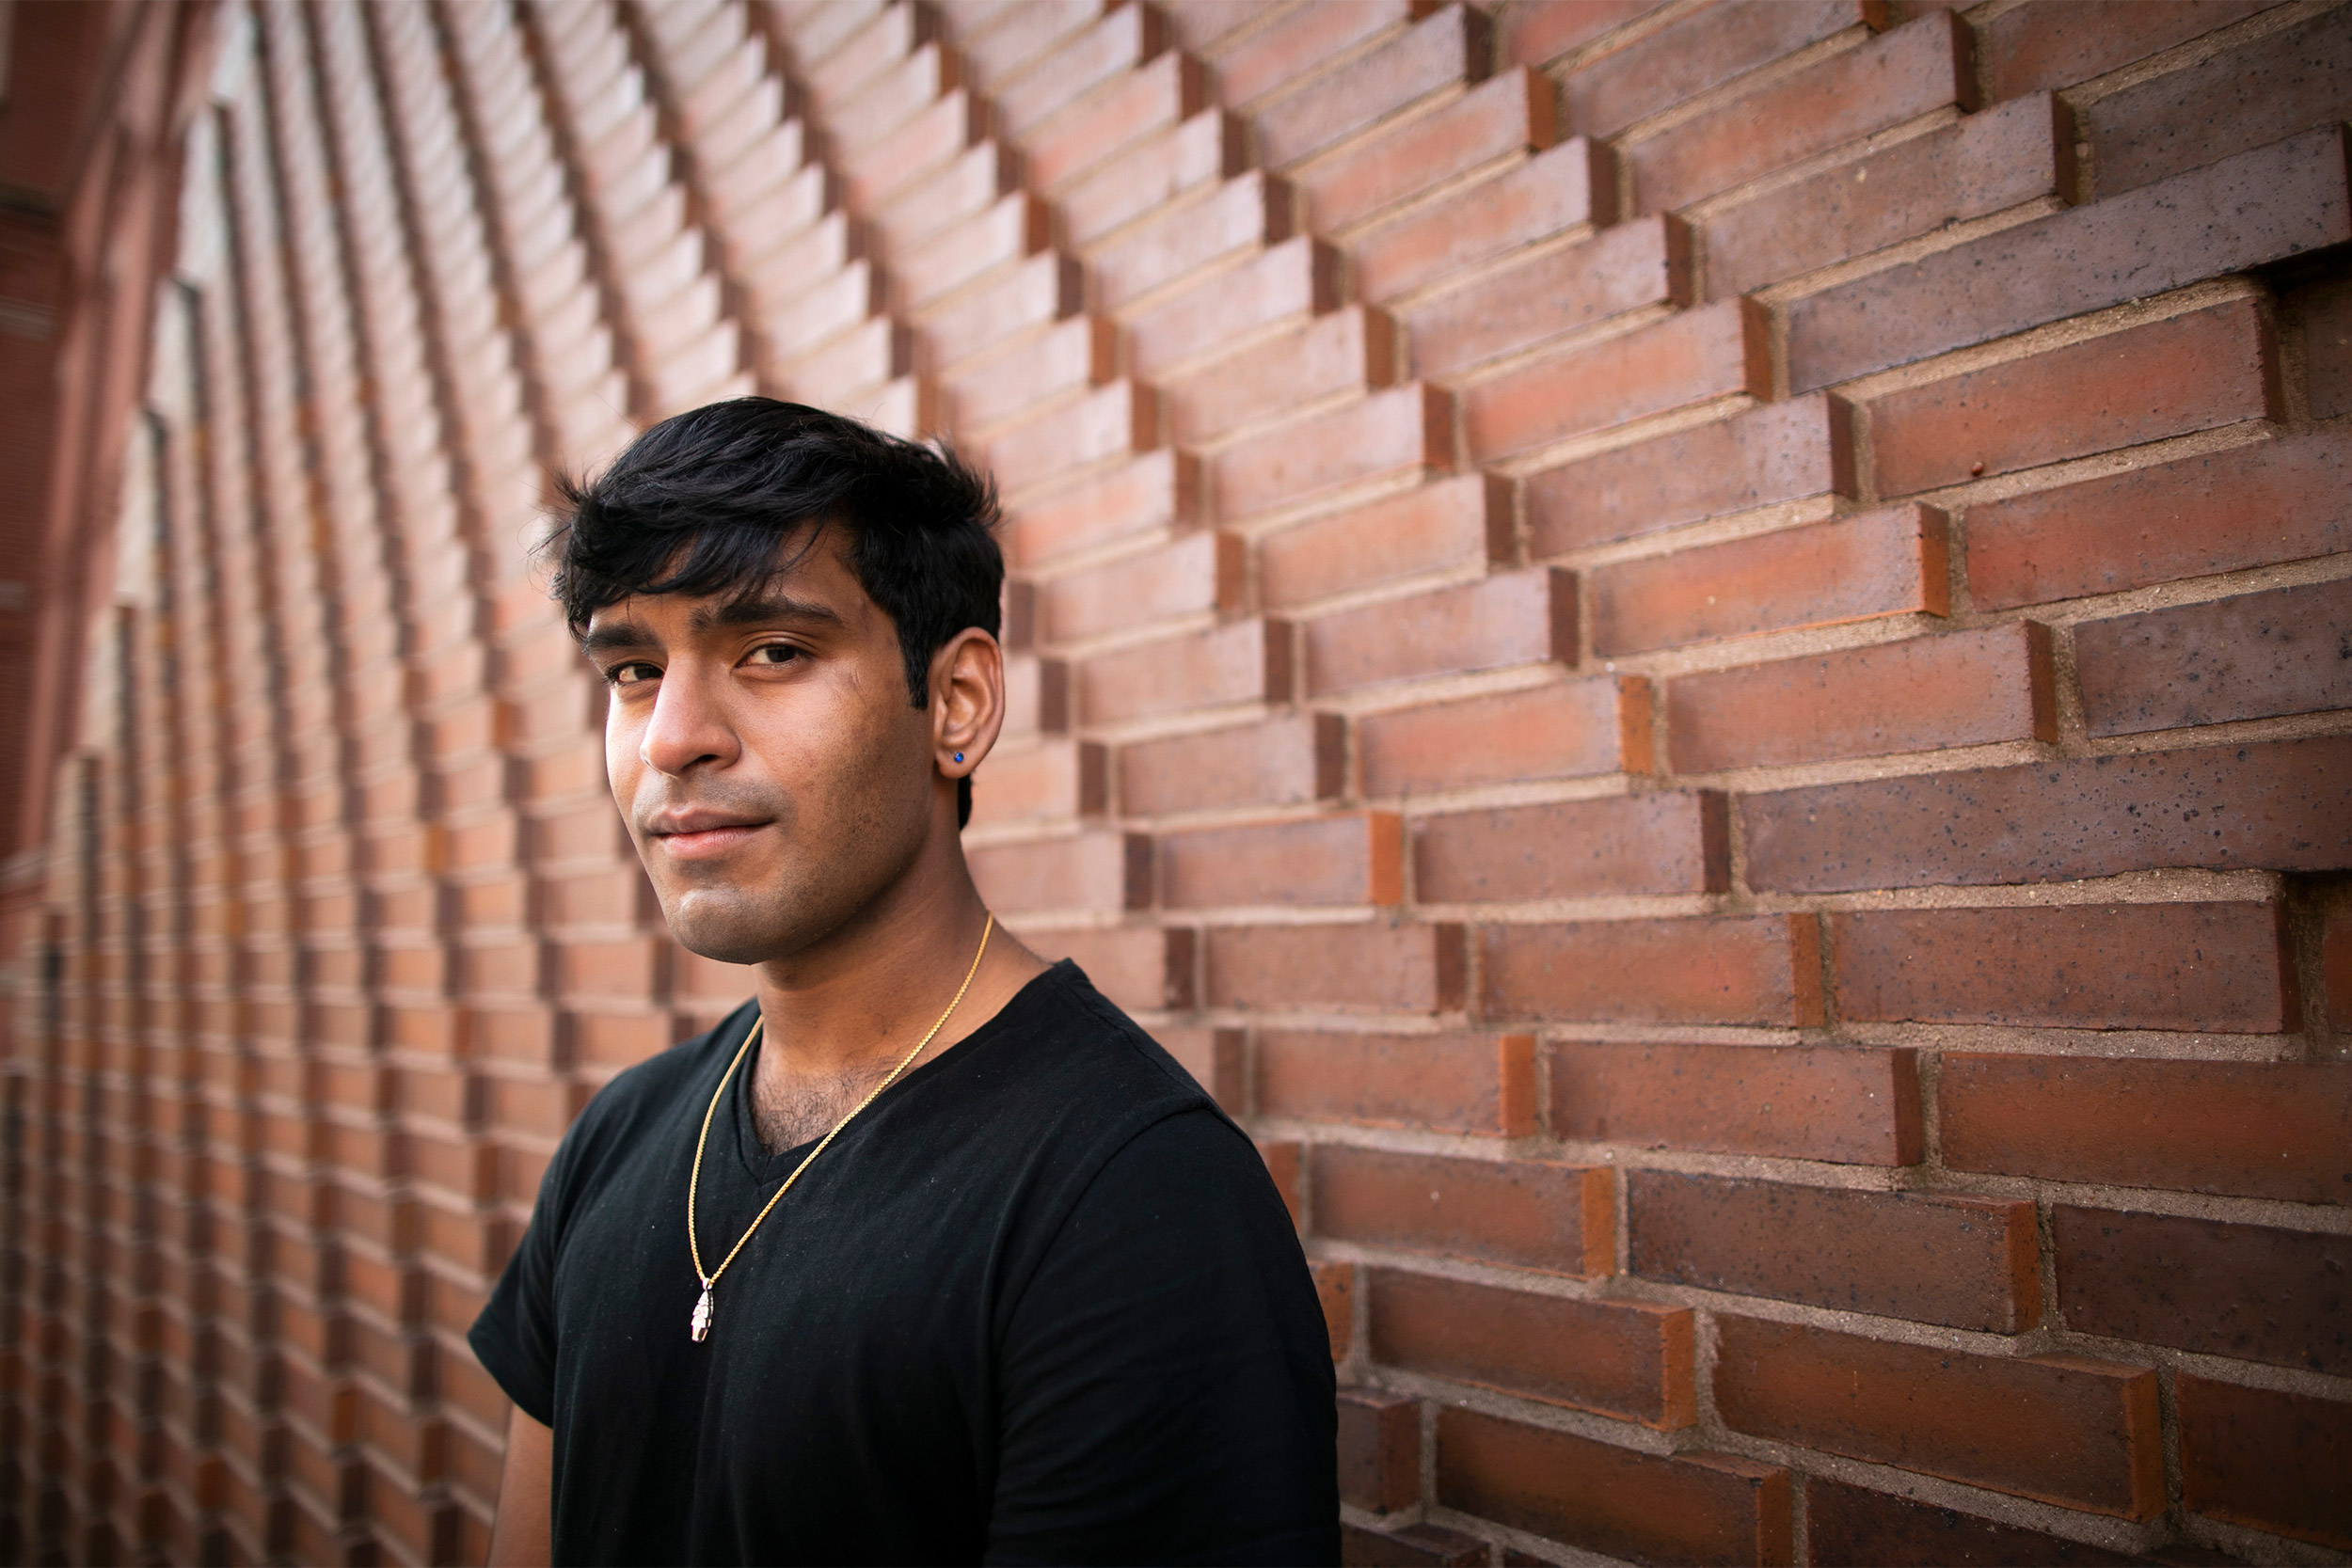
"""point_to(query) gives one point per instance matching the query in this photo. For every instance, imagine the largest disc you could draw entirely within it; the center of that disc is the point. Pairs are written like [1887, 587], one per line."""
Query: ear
[967, 700]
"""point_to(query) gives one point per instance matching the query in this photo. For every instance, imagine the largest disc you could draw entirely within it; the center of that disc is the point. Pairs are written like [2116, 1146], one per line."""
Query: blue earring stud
[958, 756]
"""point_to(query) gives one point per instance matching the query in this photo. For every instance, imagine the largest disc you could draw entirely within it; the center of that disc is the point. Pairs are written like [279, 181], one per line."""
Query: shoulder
[1089, 1046]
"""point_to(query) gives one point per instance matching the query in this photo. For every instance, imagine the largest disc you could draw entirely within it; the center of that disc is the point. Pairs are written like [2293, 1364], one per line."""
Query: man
[974, 1271]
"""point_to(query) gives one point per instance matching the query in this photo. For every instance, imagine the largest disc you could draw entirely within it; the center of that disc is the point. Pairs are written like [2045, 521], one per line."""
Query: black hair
[705, 500]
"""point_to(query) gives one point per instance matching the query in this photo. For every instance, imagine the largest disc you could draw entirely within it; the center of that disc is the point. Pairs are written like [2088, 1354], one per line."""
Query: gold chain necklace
[703, 1312]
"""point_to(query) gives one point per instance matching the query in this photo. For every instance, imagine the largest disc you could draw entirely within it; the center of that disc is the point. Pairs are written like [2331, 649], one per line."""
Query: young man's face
[766, 755]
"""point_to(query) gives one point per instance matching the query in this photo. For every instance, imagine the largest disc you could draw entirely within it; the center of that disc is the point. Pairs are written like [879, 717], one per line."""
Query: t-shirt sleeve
[513, 1337]
[1166, 1387]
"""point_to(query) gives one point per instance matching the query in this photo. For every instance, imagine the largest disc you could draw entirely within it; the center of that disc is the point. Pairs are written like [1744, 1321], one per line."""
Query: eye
[773, 655]
[634, 672]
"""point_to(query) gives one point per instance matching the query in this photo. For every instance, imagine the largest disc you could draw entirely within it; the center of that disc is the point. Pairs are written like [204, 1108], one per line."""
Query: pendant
[702, 1317]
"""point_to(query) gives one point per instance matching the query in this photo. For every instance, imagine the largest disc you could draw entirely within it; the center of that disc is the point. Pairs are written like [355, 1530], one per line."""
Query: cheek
[621, 761]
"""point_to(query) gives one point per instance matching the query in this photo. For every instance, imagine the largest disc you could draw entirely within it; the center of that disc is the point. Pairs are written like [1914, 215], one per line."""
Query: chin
[729, 929]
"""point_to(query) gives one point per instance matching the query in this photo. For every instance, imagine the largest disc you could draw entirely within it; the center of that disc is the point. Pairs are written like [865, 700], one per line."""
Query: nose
[689, 726]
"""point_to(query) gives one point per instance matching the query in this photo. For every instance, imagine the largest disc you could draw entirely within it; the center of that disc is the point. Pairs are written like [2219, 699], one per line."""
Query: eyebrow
[754, 611]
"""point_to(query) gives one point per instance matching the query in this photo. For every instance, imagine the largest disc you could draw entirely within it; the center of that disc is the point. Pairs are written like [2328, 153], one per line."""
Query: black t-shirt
[1040, 1303]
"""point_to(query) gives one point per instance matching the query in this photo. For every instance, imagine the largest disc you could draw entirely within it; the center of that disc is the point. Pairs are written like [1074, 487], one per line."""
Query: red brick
[1217, 1061]
[2252, 657]
[2266, 1459]
[1953, 689]
[1335, 1289]
[1089, 871]
[1692, 55]
[2190, 373]
[1142, 967]
[891, 97]
[2258, 206]
[1113, 47]
[1052, 781]
[2014, 152]
[1210, 146]
[1286, 761]
[1109, 423]
[1763, 969]
[1849, 1105]
[1449, 1083]
[1511, 114]
[1628, 1359]
[1447, 522]
[1194, 25]
[1246, 214]
[2212, 968]
[1349, 351]
[2247, 1292]
[2319, 318]
[1512, 617]
[1381, 968]
[1922, 66]
[1014, 37]
[830, 74]
[2335, 962]
[1353, 859]
[2251, 1128]
[1290, 47]
[1041, 289]
[1564, 729]
[1291, 281]
[1524, 1213]
[1282, 1164]
[1158, 490]
[1629, 267]
[1860, 568]
[1567, 188]
[1065, 359]
[1780, 452]
[1013, 228]
[1037, 695]
[1536, 32]
[827, 309]
[1379, 1450]
[1847, 1527]
[1245, 662]
[1717, 351]
[1664, 842]
[1447, 48]
[2219, 512]
[2056, 46]
[1614, 1501]
[871, 174]
[859, 359]
[1198, 574]
[2265, 88]
[962, 187]
[1153, 99]
[2065, 1430]
[1406, 431]
[1964, 1262]
[2276, 805]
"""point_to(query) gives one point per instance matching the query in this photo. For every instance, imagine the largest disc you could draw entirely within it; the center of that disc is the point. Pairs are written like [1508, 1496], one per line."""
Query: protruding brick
[2278, 805]
[1105, 871]
[2063, 1428]
[1295, 44]
[1349, 351]
[1282, 762]
[1158, 490]
[1614, 1501]
[1379, 1450]
[1780, 452]
[2266, 1459]
[1510, 114]
[1406, 431]
[1847, 1527]
[1630, 267]
[1564, 729]
[1966, 1263]
[1352, 859]
[1692, 55]
[2214, 968]
[1662, 842]
[2262, 206]
[1042, 290]
[1849, 1105]
[1053, 781]
[1109, 423]
[1215, 1059]
[1247, 213]
[2040, 46]
[1198, 575]
[1335, 1289]
[1447, 523]
[1446, 49]
[1288, 283]
[1245, 662]
[1923, 693]
[1382, 968]
[1717, 351]
[2252, 657]
[1762, 969]
[1283, 1163]
[1208, 147]
[1148, 968]
[1151, 98]
[2165, 378]
[2249, 1292]
[1878, 563]
[1508, 619]
[1110, 48]
[1569, 187]
[1628, 1359]
[1524, 1213]
[1452, 1083]
[2245, 506]
[2250, 1128]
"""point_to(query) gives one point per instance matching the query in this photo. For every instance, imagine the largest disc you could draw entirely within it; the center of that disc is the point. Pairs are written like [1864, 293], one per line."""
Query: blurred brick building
[1700, 654]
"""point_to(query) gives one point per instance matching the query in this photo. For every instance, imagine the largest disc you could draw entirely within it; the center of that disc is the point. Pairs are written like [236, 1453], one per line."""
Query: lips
[696, 834]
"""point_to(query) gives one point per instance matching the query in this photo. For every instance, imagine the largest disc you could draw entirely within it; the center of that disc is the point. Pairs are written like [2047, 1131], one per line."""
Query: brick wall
[1697, 653]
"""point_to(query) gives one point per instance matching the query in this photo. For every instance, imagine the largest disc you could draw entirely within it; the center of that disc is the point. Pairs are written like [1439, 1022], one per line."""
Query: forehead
[812, 583]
